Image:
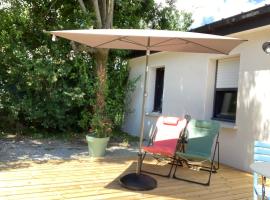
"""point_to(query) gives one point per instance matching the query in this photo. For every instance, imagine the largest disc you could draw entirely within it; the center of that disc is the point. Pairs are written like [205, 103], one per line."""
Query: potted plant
[98, 136]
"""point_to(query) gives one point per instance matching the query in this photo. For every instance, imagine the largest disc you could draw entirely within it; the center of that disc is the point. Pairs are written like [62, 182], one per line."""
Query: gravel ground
[27, 149]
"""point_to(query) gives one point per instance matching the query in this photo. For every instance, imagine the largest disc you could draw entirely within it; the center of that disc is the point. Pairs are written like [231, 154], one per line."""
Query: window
[225, 104]
[159, 89]
[225, 101]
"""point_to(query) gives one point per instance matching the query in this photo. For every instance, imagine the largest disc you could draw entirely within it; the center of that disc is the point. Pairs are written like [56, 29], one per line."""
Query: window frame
[155, 109]
[224, 119]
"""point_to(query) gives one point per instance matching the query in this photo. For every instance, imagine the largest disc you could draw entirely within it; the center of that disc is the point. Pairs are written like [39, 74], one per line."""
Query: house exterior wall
[253, 108]
[189, 89]
[179, 88]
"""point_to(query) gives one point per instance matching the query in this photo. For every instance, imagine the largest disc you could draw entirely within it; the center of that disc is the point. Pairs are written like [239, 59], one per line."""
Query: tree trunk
[101, 56]
[104, 20]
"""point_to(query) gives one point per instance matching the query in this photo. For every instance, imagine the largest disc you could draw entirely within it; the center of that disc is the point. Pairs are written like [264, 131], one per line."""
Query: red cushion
[163, 147]
[173, 121]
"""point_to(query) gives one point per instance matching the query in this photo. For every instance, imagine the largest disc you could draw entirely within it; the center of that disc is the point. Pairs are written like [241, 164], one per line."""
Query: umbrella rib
[167, 45]
[158, 44]
[119, 38]
[132, 42]
[203, 46]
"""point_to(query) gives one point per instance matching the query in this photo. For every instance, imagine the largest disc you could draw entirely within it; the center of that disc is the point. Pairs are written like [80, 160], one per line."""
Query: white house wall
[189, 88]
[184, 88]
[253, 110]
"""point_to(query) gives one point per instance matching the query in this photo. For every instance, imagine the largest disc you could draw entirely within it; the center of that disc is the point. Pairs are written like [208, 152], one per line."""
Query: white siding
[227, 73]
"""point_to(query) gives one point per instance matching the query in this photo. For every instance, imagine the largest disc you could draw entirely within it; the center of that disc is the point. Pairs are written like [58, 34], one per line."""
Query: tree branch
[82, 6]
[103, 10]
[98, 17]
[109, 19]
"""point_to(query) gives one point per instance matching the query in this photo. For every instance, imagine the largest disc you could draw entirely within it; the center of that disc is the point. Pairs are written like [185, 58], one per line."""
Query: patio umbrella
[148, 40]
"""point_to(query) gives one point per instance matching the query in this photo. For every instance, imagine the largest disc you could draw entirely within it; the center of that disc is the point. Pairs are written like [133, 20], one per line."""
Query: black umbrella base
[138, 182]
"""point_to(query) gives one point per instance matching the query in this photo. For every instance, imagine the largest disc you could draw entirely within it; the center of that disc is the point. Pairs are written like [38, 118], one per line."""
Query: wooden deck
[98, 179]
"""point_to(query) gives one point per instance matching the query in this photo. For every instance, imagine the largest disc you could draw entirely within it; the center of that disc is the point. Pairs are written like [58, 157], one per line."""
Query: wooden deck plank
[98, 179]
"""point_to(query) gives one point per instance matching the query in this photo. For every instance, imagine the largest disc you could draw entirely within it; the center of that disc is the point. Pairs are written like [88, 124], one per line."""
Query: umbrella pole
[139, 181]
[139, 163]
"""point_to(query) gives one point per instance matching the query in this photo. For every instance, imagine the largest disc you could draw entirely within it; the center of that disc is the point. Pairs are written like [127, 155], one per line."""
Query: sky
[207, 11]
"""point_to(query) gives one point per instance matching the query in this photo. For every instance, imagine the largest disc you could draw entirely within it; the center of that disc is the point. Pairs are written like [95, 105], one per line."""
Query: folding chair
[165, 139]
[261, 154]
[200, 149]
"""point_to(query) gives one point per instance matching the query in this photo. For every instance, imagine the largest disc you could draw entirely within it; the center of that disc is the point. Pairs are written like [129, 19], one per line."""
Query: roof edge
[237, 23]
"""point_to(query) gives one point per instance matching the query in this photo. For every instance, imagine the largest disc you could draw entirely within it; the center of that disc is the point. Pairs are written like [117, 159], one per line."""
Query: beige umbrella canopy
[149, 40]
[160, 40]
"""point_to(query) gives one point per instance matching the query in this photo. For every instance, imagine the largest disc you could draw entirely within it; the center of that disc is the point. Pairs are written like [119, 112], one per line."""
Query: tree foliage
[48, 85]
